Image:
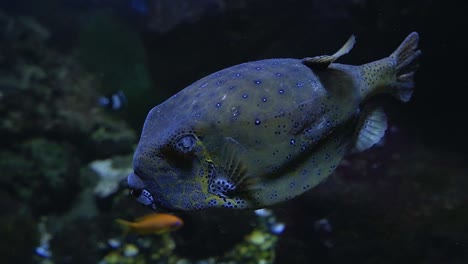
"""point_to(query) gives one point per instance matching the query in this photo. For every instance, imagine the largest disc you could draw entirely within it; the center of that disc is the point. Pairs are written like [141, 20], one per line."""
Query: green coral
[39, 166]
[17, 230]
[58, 97]
[51, 159]
[256, 247]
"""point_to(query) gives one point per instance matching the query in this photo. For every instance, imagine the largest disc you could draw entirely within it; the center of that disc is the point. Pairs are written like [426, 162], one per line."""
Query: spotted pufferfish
[263, 132]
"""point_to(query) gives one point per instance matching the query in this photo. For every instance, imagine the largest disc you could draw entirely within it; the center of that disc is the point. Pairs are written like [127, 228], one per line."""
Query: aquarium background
[64, 157]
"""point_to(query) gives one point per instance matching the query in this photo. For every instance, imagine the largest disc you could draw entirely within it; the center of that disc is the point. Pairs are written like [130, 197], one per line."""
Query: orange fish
[156, 223]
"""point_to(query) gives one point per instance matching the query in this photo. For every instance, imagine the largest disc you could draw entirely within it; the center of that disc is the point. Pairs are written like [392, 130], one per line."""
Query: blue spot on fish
[140, 6]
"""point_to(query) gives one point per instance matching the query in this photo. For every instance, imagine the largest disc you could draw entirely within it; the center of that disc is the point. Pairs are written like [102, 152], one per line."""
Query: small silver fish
[266, 131]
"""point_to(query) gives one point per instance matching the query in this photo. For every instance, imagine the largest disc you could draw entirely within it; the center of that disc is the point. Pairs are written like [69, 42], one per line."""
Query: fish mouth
[135, 182]
[137, 189]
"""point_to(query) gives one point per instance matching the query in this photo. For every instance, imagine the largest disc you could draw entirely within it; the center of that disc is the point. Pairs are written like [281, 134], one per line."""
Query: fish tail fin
[393, 74]
[124, 224]
[405, 59]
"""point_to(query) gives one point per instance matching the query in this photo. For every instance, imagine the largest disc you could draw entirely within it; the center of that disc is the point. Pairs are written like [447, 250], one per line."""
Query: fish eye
[180, 152]
[186, 144]
[176, 225]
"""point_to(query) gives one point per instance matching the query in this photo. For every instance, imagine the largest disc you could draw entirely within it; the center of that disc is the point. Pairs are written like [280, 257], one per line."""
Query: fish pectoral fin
[230, 171]
[371, 129]
[323, 61]
[232, 165]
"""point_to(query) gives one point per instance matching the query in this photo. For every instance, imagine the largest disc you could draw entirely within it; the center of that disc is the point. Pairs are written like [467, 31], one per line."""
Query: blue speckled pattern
[258, 133]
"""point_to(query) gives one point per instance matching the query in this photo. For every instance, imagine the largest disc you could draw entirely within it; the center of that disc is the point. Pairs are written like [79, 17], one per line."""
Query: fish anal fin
[162, 231]
[371, 129]
[322, 62]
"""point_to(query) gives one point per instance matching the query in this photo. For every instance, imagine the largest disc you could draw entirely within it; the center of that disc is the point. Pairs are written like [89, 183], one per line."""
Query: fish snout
[137, 189]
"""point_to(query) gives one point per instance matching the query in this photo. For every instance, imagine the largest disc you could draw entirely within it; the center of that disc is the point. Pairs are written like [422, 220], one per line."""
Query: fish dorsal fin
[323, 61]
[230, 172]
[145, 217]
[142, 218]
[371, 129]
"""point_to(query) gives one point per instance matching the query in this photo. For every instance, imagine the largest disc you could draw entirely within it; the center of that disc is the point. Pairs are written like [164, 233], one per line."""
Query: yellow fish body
[263, 132]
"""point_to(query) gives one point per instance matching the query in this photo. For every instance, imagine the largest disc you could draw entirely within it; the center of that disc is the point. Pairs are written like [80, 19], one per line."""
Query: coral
[48, 108]
[257, 247]
[51, 128]
[38, 167]
[58, 97]
[111, 172]
[18, 230]
[43, 250]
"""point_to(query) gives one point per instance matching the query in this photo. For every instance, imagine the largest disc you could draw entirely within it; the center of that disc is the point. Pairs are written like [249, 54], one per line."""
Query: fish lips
[138, 190]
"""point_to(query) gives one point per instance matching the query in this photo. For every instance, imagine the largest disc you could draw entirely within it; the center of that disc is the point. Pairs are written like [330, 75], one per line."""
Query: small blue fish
[114, 101]
[277, 228]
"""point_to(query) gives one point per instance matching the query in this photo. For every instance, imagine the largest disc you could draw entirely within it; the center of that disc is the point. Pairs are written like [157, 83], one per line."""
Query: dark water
[403, 201]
